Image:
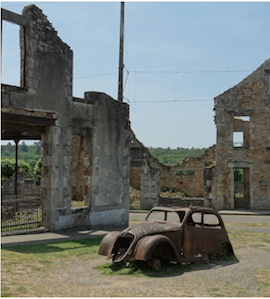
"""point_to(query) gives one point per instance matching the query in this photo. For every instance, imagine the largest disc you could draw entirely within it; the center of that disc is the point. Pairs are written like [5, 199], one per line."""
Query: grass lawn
[32, 260]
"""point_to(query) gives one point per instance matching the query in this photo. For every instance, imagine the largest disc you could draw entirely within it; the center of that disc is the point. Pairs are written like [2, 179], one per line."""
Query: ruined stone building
[151, 177]
[243, 146]
[243, 143]
[90, 134]
[90, 154]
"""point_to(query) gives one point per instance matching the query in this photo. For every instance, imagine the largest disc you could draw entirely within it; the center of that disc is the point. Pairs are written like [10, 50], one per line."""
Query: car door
[213, 231]
[193, 243]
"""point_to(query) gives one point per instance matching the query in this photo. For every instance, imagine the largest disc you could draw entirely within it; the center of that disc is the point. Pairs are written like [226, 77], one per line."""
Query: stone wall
[186, 176]
[249, 100]
[150, 186]
[24, 185]
[90, 134]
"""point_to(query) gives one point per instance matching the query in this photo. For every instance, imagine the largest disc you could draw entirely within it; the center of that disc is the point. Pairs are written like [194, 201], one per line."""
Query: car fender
[145, 247]
[107, 243]
[222, 241]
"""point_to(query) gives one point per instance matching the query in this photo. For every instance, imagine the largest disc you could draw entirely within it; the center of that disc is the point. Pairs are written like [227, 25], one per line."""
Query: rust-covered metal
[192, 233]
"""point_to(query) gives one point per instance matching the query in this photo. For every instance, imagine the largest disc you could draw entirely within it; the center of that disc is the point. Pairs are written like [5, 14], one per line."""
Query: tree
[26, 167]
[238, 175]
[7, 168]
[24, 147]
[38, 166]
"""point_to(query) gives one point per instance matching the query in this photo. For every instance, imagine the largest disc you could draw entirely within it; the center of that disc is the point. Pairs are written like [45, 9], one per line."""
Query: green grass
[33, 260]
[21, 264]
[241, 238]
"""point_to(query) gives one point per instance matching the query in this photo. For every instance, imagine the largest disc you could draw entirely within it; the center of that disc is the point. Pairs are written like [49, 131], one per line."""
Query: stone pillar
[50, 182]
[150, 186]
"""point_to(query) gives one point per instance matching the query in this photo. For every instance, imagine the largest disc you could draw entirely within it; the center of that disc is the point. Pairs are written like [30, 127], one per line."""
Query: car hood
[150, 228]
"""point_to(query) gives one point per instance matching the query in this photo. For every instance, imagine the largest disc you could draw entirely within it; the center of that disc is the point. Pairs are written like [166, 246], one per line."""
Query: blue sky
[178, 56]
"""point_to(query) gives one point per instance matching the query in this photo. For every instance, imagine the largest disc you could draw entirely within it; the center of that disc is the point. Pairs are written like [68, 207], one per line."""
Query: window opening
[211, 221]
[241, 131]
[269, 87]
[80, 173]
[10, 53]
[195, 219]
[238, 139]
[156, 216]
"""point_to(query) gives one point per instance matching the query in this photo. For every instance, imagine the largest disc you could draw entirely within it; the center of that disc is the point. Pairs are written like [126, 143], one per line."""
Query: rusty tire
[223, 250]
[155, 264]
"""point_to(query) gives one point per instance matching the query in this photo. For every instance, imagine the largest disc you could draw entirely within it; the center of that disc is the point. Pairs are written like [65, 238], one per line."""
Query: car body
[175, 234]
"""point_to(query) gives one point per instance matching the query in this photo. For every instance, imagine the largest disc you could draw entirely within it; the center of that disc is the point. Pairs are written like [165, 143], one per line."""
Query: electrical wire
[169, 101]
[93, 76]
[164, 72]
[189, 72]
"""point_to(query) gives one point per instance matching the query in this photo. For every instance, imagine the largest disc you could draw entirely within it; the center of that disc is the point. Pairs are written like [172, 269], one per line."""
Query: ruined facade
[243, 144]
[97, 126]
[152, 177]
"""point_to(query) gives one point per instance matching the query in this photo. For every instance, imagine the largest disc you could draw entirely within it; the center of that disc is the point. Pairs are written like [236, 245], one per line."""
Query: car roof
[185, 209]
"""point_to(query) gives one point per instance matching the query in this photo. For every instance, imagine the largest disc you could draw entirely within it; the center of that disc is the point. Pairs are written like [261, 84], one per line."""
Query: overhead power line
[92, 76]
[165, 72]
[169, 101]
[187, 72]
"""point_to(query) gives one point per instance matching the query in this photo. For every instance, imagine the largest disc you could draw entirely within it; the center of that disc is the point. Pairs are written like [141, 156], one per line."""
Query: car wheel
[155, 264]
[223, 250]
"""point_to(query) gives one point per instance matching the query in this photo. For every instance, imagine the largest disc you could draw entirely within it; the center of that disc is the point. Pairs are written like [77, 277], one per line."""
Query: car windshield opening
[169, 216]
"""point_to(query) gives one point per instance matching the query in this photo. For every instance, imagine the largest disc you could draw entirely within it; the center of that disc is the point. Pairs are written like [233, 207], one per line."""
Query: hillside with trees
[173, 156]
[29, 157]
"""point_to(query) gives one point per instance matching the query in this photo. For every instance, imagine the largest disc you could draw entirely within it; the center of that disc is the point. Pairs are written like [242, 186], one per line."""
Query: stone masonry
[43, 108]
[147, 173]
[243, 110]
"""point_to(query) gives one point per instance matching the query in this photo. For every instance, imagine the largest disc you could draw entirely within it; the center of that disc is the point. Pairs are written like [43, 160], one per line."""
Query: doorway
[242, 188]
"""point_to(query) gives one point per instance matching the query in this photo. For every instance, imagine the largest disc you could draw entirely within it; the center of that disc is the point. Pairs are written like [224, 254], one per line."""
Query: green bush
[7, 168]
[37, 168]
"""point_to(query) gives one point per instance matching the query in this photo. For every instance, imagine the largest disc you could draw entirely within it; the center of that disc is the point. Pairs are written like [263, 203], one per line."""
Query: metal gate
[20, 212]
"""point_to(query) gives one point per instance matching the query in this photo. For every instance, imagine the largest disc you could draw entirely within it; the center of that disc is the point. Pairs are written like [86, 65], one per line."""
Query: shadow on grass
[143, 269]
[55, 246]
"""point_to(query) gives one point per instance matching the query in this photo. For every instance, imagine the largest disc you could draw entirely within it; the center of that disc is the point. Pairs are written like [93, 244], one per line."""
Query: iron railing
[20, 212]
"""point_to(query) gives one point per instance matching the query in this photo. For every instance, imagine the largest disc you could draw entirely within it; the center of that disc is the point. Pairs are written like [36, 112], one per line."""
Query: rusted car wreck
[174, 234]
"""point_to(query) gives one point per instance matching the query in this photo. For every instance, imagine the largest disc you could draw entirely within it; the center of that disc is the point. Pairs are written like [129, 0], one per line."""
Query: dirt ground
[246, 275]
[227, 278]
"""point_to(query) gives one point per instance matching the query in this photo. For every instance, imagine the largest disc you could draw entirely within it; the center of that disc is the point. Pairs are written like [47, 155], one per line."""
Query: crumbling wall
[150, 186]
[250, 99]
[97, 124]
[187, 175]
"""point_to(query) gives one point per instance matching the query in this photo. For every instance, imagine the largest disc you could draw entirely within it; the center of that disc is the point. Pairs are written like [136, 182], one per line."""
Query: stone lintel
[12, 17]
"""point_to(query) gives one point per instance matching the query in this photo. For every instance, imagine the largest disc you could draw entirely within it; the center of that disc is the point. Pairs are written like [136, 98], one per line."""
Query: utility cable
[189, 72]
